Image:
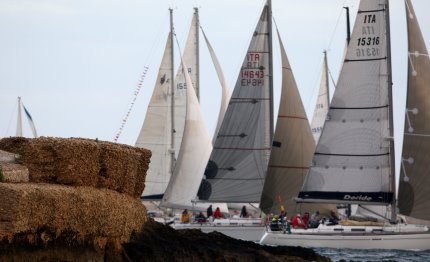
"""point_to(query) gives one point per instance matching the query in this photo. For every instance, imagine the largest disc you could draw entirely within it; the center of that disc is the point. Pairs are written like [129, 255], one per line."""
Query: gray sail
[292, 149]
[414, 195]
[352, 161]
[238, 162]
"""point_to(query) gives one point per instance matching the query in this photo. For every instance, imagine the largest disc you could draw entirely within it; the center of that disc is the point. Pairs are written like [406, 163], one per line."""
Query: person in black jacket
[209, 212]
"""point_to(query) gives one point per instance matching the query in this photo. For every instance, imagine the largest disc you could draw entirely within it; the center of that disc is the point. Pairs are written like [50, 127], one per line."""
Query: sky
[76, 63]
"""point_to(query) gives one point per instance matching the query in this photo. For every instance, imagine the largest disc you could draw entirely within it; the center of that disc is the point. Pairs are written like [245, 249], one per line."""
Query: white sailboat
[354, 159]
[163, 129]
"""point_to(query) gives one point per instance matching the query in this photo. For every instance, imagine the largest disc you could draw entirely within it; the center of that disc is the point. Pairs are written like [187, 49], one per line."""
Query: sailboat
[354, 158]
[237, 165]
[19, 132]
[163, 129]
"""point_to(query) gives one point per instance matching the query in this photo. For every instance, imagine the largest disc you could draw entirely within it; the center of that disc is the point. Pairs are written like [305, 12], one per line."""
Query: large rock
[82, 162]
[91, 214]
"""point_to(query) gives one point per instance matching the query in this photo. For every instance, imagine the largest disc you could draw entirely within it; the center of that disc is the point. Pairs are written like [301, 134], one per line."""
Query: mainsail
[238, 163]
[323, 102]
[292, 149]
[414, 195]
[156, 131]
[195, 151]
[353, 162]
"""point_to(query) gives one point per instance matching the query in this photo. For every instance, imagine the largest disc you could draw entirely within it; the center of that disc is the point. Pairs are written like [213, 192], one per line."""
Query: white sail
[195, 151]
[155, 134]
[292, 149]
[190, 59]
[238, 163]
[225, 95]
[352, 161]
[323, 102]
[414, 195]
[19, 119]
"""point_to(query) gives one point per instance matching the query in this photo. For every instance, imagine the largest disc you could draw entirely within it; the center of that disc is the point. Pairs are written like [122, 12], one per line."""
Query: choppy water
[374, 255]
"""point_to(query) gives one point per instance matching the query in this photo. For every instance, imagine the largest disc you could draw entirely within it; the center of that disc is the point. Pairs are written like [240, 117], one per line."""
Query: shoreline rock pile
[88, 187]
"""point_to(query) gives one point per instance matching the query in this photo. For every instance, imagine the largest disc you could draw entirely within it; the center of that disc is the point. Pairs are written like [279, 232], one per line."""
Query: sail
[352, 161]
[190, 59]
[292, 149]
[238, 163]
[155, 134]
[19, 120]
[225, 95]
[30, 121]
[323, 102]
[413, 199]
[157, 127]
[195, 151]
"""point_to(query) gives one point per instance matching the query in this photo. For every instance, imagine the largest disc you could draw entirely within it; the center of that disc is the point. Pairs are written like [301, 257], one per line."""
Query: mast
[19, 119]
[348, 27]
[269, 29]
[197, 87]
[390, 110]
[327, 77]
[172, 101]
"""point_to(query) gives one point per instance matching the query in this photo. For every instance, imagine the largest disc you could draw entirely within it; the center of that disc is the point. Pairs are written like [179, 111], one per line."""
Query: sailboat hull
[238, 230]
[402, 237]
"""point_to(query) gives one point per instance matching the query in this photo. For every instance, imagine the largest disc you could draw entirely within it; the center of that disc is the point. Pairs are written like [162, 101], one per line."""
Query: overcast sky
[76, 63]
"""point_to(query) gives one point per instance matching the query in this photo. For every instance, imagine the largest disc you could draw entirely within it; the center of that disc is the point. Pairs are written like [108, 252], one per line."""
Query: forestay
[352, 159]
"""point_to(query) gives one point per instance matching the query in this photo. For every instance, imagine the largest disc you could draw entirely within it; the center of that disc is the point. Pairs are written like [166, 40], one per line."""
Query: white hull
[248, 231]
[403, 237]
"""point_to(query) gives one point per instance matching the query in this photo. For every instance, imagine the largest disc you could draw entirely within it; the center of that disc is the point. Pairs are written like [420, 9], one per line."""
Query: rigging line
[316, 76]
[139, 85]
[335, 27]
[10, 120]
[332, 79]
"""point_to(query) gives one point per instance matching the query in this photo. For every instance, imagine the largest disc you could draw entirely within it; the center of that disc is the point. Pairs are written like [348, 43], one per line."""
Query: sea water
[374, 255]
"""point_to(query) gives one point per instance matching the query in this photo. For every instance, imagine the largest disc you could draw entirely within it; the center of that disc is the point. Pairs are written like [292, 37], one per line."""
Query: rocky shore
[79, 200]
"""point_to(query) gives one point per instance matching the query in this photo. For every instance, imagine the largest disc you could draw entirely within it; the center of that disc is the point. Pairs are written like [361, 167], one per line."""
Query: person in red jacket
[218, 213]
[306, 219]
[297, 222]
